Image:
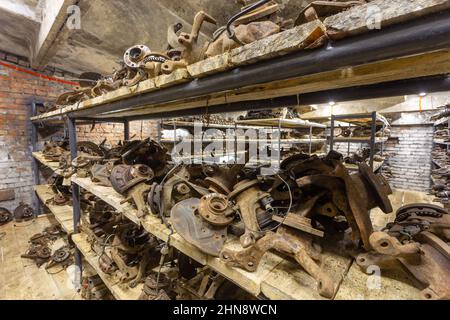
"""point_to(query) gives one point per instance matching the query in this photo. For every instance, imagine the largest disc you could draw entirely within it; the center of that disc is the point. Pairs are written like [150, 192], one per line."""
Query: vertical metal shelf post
[71, 126]
[35, 164]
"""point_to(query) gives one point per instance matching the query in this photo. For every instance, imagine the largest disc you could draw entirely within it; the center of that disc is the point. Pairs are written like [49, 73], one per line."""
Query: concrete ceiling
[36, 28]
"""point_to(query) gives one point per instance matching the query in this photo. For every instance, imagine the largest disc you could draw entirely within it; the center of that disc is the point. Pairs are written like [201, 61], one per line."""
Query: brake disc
[187, 222]
[61, 255]
[125, 177]
[23, 212]
[421, 210]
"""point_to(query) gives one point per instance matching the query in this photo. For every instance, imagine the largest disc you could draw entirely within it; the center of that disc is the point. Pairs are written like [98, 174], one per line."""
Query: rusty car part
[425, 261]
[125, 177]
[101, 173]
[137, 195]
[39, 253]
[221, 178]
[322, 9]
[216, 210]
[179, 187]
[203, 286]
[106, 264]
[354, 195]
[289, 242]
[59, 199]
[5, 216]
[53, 150]
[147, 152]
[250, 199]
[187, 222]
[188, 43]
[23, 212]
[133, 250]
[62, 257]
[156, 286]
[418, 242]
[154, 199]
[300, 223]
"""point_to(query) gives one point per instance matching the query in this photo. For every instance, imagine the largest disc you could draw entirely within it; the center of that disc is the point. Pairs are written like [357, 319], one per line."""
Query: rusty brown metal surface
[188, 223]
[418, 242]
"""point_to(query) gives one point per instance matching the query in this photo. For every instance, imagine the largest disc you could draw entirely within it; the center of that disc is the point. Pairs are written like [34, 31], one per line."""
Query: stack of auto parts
[40, 249]
[417, 241]
[206, 203]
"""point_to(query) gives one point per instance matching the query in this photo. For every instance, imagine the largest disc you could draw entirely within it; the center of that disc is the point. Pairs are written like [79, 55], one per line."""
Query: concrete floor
[21, 279]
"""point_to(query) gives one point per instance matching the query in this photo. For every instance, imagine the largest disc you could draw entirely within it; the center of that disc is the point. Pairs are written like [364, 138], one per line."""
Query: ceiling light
[422, 94]
[331, 103]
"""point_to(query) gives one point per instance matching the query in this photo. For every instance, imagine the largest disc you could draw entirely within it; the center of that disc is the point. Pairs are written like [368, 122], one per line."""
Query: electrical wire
[291, 202]
[39, 75]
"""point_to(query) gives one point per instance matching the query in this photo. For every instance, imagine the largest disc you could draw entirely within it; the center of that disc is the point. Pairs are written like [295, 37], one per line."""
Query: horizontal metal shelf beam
[387, 89]
[418, 36]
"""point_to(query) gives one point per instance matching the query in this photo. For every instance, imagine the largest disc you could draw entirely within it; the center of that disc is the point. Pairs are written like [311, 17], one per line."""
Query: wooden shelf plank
[63, 214]
[441, 141]
[250, 282]
[49, 164]
[442, 121]
[360, 140]
[284, 123]
[277, 277]
[376, 165]
[119, 290]
[275, 142]
[390, 286]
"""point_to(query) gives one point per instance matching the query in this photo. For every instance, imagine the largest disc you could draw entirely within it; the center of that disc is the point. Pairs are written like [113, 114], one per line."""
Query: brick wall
[17, 91]
[410, 157]
[409, 148]
[114, 133]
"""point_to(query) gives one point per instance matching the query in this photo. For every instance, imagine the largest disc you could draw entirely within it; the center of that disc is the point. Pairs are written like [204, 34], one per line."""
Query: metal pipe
[387, 89]
[414, 37]
[35, 164]
[126, 130]
[71, 126]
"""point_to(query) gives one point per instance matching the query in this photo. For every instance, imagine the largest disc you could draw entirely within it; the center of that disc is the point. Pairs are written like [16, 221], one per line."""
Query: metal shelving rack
[374, 118]
[165, 102]
[442, 122]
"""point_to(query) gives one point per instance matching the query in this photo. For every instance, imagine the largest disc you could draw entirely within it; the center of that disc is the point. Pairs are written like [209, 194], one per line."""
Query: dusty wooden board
[63, 214]
[360, 140]
[210, 66]
[380, 14]
[284, 123]
[248, 281]
[279, 44]
[387, 70]
[108, 195]
[273, 141]
[54, 165]
[21, 279]
[289, 281]
[392, 285]
[120, 291]
[376, 165]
